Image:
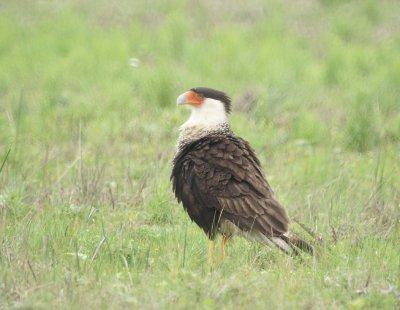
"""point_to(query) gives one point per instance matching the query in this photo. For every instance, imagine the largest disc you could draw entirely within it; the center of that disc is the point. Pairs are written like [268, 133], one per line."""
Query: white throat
[208, 117]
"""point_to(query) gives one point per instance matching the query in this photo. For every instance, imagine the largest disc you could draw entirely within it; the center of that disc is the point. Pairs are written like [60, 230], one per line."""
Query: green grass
[87, 217]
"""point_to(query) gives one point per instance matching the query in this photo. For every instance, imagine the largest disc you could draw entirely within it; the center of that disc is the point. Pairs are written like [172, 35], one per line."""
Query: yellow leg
[224, 240]
[211, 252]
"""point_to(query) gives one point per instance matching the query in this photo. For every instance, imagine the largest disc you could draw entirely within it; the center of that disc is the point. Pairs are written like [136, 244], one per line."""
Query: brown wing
[224, 174]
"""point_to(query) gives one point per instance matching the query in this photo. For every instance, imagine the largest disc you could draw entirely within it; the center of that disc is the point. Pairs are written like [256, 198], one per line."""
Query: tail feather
[271, 242]
[288, 243]
[298, 243]
[283, 245]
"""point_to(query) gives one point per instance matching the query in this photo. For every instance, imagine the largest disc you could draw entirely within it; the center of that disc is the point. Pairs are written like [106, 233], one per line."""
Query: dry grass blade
[5, 160]
[97, 251]
[307, 229]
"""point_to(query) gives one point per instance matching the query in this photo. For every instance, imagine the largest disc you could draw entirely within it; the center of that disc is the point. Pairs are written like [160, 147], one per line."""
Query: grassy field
[89, 123]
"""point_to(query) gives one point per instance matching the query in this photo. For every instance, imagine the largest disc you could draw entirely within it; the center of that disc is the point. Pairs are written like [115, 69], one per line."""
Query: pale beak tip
[181, 100]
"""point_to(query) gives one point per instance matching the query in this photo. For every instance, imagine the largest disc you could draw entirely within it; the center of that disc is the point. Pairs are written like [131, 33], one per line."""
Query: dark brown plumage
[220, 177]
[217, 177]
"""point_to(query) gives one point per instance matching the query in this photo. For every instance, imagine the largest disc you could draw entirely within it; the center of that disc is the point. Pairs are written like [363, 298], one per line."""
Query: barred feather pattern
[218, 179]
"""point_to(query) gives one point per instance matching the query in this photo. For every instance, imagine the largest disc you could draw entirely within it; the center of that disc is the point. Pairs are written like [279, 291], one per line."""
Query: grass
[88, 125]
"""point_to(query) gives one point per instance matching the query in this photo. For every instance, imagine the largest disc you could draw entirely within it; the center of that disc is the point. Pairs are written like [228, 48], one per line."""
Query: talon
[224, 240]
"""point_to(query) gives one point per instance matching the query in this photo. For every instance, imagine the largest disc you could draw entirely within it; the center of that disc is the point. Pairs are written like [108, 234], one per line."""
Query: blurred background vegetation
[87, 108]
[324, 71]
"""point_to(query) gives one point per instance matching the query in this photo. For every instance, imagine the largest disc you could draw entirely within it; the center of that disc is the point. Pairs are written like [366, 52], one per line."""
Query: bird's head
[209, 107]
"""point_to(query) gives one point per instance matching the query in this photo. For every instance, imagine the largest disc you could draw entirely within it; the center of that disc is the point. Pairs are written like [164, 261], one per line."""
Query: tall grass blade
[5, 159]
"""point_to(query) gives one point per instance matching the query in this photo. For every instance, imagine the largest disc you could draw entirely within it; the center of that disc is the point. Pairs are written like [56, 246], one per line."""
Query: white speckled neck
[192, 133]
[207, 119]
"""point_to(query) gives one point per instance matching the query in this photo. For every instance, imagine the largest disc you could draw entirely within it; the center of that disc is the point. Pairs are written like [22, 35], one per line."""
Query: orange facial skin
[194, 98]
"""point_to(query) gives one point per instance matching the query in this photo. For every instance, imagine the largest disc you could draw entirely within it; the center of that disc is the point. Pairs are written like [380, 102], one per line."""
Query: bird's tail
[297, 243]
[289, 243]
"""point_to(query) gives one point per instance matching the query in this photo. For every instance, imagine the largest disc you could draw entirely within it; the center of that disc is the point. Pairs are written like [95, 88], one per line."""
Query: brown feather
[228, 170]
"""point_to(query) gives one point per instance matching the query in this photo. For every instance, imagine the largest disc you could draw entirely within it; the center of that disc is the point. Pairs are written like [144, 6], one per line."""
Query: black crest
[214, 94]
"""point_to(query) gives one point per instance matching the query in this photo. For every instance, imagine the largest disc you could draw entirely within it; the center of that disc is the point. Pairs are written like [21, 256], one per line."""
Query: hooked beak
[191, 98]
[181, 100]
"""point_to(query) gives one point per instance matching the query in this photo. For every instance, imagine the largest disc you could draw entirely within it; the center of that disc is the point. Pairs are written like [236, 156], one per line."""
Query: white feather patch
[210, 114]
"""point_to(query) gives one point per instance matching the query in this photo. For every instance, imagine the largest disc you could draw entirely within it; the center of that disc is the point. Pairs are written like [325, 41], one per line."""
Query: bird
[218, 178]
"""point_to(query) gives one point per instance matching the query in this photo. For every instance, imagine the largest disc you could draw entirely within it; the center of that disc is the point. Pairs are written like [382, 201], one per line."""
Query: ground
[89, 123]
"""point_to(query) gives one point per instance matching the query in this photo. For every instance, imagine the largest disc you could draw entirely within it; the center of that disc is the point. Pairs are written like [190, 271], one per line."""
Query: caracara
[217, 177]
